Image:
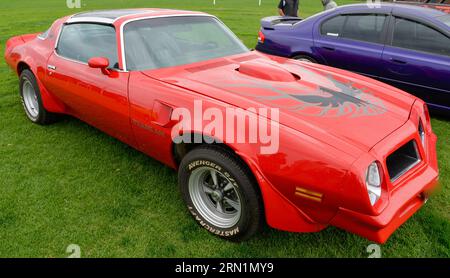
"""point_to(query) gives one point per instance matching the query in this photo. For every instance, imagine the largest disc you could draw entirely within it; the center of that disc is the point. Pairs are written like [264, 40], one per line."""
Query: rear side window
[416, 36]
[333, 27]
[83, 41]
[367, 28]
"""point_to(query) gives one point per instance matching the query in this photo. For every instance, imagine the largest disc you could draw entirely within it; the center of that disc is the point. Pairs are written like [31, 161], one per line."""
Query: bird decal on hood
[325, 101]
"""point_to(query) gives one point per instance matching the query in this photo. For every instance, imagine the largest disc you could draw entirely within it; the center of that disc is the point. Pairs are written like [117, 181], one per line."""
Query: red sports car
[316, 146]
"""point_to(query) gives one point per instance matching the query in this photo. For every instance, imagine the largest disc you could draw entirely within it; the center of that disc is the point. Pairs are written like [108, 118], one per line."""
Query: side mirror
[100, 63]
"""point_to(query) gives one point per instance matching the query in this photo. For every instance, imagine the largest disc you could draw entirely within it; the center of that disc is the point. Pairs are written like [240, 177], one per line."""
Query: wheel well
[305, 54]
[295, 54]
[21, 67]
[180, 150]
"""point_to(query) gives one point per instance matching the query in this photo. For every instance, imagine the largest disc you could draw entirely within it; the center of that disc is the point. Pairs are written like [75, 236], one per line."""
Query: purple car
[404, 45]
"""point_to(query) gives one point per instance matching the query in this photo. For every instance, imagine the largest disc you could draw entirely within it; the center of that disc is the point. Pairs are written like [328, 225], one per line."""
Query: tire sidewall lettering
[220, 232]
[202, 163]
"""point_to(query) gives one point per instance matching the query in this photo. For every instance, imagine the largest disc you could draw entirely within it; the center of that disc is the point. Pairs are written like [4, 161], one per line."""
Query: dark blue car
[404, 45]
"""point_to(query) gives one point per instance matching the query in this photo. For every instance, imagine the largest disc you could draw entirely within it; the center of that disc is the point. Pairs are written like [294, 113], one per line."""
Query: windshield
[172, 41]
[445, 19]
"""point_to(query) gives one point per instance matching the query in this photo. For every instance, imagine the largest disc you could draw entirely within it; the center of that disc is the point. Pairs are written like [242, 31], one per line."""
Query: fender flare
[50, 103]
[280, 213]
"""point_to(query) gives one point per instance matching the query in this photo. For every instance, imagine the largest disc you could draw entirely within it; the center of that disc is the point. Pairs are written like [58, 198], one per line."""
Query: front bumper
[402, 205]
[403, 197]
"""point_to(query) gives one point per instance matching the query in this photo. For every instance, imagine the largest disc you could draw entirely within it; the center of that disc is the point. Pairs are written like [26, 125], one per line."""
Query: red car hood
[325, 103]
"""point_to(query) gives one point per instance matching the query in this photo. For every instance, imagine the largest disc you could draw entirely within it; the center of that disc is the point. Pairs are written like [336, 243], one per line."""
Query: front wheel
[32, 101]
[220, 193]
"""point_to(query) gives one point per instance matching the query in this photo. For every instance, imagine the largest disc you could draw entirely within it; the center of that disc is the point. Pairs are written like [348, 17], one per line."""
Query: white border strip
[90, 19]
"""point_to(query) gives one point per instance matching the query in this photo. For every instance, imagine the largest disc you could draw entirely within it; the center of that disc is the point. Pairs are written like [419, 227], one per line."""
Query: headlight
[373, 183]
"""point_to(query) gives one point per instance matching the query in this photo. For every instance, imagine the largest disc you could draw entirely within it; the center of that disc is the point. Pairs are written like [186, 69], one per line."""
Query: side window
[333, 27]
[367, 28]
[416, 36]
[83, 41]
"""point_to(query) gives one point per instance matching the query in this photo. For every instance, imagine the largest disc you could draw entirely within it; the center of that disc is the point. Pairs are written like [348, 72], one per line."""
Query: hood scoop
[266, 71]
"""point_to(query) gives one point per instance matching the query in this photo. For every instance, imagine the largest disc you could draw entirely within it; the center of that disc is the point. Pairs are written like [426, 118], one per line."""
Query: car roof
[112, 16]
[416, 10]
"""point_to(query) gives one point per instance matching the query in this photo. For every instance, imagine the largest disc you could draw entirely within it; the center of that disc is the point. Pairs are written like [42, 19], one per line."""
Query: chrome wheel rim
[30, 99]
[215, 197]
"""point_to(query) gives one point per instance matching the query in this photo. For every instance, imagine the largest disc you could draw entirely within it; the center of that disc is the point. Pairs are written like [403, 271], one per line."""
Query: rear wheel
[32, 101]
[220, 193]
[304, 58]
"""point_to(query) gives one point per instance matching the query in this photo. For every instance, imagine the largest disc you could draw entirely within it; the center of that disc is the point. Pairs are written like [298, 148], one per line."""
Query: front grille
[403, 160]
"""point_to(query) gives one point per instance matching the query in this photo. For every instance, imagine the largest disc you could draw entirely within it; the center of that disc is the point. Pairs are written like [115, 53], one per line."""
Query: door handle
[397, 61]
[50, 67]
[328, 48]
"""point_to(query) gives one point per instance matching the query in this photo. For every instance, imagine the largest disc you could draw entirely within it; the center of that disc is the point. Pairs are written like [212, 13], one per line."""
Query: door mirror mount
[100, 63]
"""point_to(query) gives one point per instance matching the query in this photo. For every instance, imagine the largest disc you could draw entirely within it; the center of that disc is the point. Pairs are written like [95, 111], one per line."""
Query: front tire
[32, 101]
[220, 193]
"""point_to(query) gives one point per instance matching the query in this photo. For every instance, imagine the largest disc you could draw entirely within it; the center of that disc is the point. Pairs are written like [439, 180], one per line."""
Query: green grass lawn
[68, 183]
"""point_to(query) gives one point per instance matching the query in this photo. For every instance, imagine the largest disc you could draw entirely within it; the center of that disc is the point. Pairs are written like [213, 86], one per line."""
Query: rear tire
[32, 101]
[220, 193]
[305, 58]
